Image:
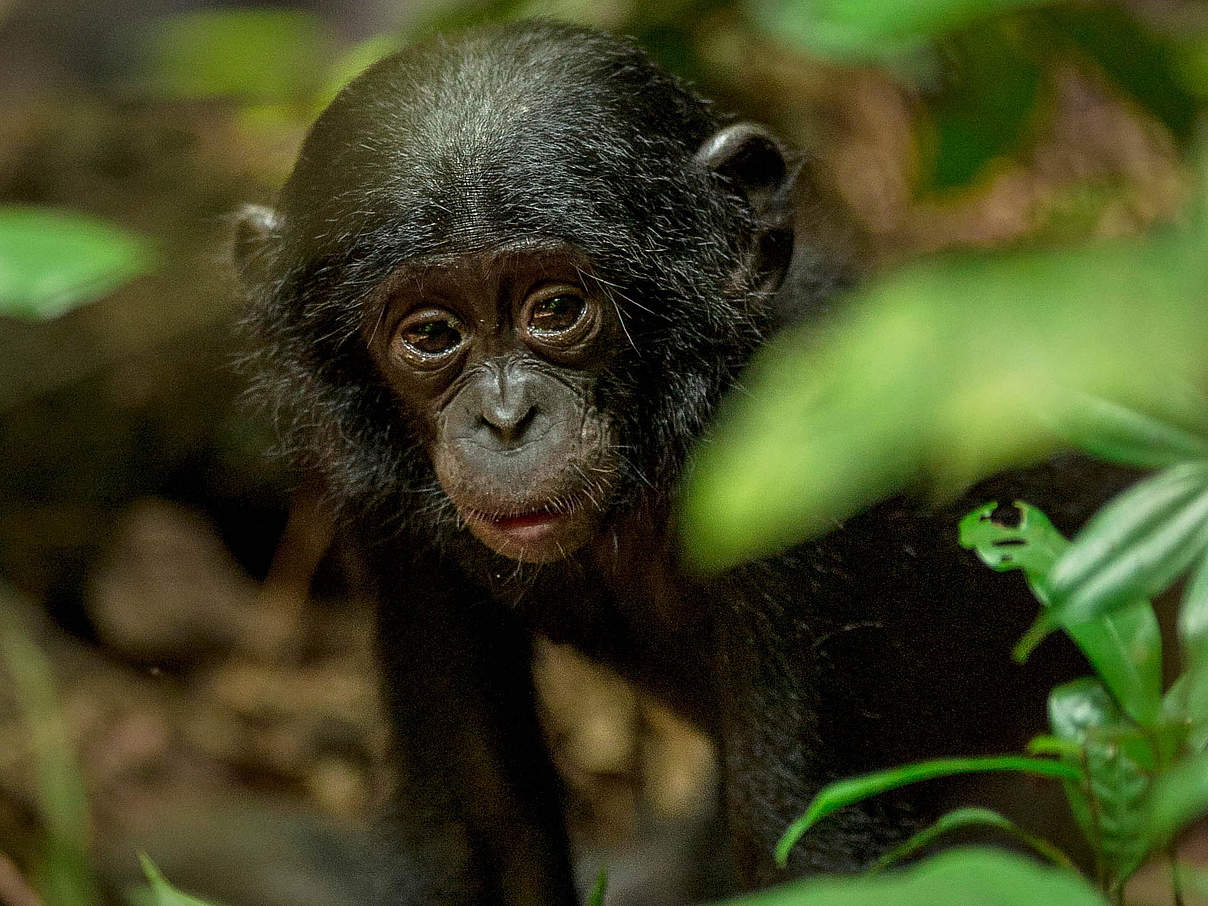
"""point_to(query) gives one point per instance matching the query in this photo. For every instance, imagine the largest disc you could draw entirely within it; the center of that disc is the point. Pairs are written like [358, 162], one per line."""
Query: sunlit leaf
[961, 877]
[851, 790]
[939, 375]
[254, 55]
[963, 819]
[1124, 647]
[53, 260]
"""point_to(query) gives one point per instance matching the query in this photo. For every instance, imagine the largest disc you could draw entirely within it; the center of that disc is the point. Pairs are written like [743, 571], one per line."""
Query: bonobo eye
[429, 334]
[556, 314]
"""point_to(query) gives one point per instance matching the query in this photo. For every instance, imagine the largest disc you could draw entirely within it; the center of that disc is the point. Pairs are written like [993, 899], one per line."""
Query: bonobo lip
[538, 535]
[528, 526]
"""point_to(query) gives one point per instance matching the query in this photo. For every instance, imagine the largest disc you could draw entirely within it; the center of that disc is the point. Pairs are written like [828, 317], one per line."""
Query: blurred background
[186, 662]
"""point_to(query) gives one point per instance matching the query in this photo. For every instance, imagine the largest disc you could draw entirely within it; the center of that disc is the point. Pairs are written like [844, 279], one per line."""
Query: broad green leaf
[255, 55]
[959, 877]
[1118, 434]
[1179, 796]
[53, 260]
[939, 375]
[1124, 647]
[851, 790]
[871, 29]
[964, 818]
[1134, 547]
[164, 894]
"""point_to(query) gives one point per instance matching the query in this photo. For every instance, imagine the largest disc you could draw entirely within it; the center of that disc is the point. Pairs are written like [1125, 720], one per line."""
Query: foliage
[52, 261]
[912, 386]
[1134, 759]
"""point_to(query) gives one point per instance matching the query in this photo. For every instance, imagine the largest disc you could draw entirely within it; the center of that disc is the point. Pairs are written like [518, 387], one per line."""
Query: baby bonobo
[511, 278]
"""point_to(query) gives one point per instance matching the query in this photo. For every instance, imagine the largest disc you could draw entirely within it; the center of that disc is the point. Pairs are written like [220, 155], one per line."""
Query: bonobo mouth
[539, 535]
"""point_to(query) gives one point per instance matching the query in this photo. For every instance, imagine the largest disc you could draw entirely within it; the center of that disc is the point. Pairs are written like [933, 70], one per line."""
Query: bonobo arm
[478, 802]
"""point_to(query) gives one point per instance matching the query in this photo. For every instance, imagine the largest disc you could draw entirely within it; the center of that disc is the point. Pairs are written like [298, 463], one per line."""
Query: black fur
[879, 644]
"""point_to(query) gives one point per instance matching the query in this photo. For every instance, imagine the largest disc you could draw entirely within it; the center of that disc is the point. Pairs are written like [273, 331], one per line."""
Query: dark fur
[871, 647]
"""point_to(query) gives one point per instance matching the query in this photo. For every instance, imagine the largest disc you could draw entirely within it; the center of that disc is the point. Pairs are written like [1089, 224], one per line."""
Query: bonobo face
[495, 356]
[426, 294]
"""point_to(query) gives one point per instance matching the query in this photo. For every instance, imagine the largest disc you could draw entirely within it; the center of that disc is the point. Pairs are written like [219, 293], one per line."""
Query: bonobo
[500, 297]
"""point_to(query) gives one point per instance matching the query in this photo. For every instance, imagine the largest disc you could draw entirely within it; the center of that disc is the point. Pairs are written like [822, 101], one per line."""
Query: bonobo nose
[508, 406]
[508, 421]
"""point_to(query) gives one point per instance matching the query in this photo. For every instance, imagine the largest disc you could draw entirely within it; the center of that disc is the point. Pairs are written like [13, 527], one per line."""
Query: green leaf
[164, 893]
[1116, 760]
[937, 376]
[851, 790]
[52, 260]
[960, 877]
[1032, 544]
[255, 55]
[1179, 796]
[1189, 694]
[1118, 434]
[871, 29]
[596, 898]
[1124, 647]
[1193, 613]
[1134, 547]
[963, 818]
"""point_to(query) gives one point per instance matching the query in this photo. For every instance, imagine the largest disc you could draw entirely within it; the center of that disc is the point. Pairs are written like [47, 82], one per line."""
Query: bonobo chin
[501, 296]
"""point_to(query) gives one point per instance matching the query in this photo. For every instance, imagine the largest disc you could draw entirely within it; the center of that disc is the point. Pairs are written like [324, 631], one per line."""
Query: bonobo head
[513, 273]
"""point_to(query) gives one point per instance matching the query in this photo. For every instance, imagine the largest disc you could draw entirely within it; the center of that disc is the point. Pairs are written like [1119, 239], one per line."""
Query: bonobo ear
[750, 157]
[256, 234]
[753, 161]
